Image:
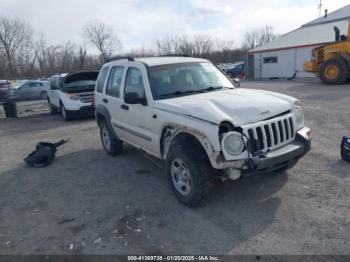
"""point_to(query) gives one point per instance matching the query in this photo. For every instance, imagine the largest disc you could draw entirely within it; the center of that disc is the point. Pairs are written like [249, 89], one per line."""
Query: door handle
[125, 107]
[104, 100]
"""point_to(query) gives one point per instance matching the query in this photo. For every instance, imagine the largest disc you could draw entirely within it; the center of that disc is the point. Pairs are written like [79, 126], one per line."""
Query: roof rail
[129, 58]
[182, 55]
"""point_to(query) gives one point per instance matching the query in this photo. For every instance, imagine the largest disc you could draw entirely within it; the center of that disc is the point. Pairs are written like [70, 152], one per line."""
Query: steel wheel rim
[106, 138]
[181, 176]
[50, 107]
[332, 72]
[43, 96]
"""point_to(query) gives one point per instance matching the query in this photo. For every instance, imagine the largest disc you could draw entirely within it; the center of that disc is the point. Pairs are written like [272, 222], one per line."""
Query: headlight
[232, 143]
[72, 96]
[299, 117]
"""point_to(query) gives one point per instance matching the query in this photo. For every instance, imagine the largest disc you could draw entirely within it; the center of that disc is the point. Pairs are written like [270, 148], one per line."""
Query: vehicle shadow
[37, 122]
[98, 194]
[340, 168]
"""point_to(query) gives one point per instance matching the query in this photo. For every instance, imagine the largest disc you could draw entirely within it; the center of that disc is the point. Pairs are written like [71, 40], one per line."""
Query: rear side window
[114, 81]
[101, 79]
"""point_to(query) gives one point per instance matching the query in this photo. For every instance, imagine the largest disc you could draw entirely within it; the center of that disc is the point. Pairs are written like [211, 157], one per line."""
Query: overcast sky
[140, 22]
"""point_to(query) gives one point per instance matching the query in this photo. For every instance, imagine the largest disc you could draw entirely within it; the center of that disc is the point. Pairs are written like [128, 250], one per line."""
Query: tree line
[24, 55]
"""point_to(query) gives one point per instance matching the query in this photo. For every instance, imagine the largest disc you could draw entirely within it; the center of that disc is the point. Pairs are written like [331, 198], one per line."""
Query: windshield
[187, 78]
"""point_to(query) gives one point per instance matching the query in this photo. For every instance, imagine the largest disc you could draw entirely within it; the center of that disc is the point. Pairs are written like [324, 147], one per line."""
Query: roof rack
[182, 55]
[129, 58]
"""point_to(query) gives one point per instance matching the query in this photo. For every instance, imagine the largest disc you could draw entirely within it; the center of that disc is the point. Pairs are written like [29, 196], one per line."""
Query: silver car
[32, 90]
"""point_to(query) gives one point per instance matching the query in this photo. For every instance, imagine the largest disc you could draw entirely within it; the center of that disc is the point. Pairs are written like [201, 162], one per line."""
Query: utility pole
[319, 7]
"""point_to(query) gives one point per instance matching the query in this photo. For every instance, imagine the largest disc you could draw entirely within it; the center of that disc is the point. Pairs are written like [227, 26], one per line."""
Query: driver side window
[134, 82]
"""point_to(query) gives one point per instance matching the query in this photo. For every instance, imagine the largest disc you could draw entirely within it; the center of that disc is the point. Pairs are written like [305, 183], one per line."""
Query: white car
[186, 112]
[72, 94]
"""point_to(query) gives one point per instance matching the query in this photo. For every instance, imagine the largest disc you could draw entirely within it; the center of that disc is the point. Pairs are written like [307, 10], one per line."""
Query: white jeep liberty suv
[187, 112]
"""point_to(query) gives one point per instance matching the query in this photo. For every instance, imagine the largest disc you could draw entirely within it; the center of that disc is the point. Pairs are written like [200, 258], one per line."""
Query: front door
[137, 119]
[54, 91]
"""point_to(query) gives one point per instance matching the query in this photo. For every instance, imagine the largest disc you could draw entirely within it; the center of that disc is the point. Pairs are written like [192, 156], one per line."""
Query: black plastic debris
[345, 148]
[44, 154]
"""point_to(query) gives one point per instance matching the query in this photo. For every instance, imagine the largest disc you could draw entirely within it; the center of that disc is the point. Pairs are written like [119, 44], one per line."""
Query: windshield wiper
[181, 92]
[211, 88]
[184, 92]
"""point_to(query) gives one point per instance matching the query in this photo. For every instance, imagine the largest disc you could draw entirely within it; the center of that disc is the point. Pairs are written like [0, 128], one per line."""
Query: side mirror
[134, 98]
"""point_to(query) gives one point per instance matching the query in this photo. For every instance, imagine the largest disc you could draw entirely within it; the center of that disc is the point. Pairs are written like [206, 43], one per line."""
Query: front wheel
[334, 72]
[65, 114]
[52, 109]
[43, 95]
[112, 145]
[190, 174]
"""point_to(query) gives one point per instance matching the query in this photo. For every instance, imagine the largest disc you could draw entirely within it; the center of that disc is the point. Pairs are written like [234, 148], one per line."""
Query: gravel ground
[89, 203]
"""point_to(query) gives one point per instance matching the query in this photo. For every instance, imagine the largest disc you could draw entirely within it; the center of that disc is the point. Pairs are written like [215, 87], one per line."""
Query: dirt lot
[90, 203]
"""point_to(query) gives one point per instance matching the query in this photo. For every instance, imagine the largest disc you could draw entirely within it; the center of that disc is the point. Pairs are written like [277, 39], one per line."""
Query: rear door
[35, 90]
[112, 98]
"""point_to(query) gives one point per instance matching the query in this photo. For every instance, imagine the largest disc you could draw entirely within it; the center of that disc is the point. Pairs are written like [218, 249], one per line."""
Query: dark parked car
[6, 99]
[32, 90]
[236, 70]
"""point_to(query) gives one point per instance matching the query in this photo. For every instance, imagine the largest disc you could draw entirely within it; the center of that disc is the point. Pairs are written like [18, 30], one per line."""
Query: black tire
[341, 75]
[230, 75]
[64, 113]
[114, 146]
[200, 173]
[43, 95]
[10, 109]
[52, 109]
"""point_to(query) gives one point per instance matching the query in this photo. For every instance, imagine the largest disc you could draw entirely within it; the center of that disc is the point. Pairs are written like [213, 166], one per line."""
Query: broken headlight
[299, 117]
[232, 143]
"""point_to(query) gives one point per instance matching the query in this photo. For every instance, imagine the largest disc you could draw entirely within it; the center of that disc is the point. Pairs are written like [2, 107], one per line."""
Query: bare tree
[141, 52]
[168, 45]
[258, 37]
[198, 45]
[15, 35]
[224, 45]
[103, 38]
[82, 57]
[203, 45]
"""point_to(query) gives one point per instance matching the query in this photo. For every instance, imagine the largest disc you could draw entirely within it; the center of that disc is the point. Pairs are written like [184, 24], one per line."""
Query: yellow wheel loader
[332, 61]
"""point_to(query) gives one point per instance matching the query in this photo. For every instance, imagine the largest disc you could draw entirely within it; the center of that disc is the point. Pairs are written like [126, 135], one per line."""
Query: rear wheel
[112, 145]
[10, 109]
[334, 72]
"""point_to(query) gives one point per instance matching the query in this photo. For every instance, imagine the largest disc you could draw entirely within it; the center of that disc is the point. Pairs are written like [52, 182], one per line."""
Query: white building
[285, 55]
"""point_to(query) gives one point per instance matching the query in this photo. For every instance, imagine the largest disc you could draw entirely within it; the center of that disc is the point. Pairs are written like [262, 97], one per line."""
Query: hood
[239, 106]
[80, 82]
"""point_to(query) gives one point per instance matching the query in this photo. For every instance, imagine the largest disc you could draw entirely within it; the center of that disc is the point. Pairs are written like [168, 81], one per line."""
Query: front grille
[271, 134]
[86, 97]
[320, 55]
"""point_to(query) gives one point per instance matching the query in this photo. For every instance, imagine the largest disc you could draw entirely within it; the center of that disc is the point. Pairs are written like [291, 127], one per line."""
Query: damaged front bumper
[281, 158]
